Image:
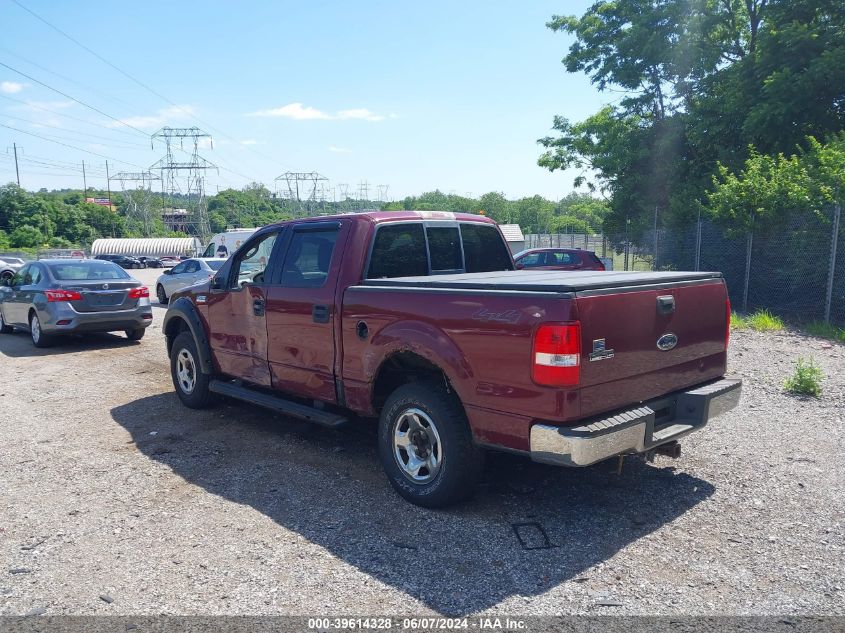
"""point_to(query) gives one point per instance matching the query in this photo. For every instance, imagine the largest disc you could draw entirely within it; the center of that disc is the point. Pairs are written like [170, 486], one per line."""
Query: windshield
[215, 265]
[87, 270]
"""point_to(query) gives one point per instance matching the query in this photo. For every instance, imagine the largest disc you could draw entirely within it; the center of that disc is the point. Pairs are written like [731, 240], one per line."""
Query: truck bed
[555, 281]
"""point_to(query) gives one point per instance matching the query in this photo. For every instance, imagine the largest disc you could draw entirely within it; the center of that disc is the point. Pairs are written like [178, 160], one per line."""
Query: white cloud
[339, 150]
[251, 141]
[295, 111]
[11, 87]
[162, 116]
[300, 112]
[359, 113]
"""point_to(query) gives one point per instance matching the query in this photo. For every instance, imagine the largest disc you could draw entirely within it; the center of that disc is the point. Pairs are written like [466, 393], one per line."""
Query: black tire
[162, 298]
[135, 335]
[4, 328]
[39, 339]
[199, 396]
[461, 461]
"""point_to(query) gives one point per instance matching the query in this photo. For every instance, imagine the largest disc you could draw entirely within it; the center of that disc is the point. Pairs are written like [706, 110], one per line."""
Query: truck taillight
[62, 295]
[727, 322]
[138, 293]
[556, 354]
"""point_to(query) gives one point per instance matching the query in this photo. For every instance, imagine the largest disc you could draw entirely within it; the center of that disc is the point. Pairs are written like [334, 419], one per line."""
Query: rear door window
[484, 248]
[399, 251]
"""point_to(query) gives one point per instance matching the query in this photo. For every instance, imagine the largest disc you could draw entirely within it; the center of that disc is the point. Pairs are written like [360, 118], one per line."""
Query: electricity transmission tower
[363, 194]
[139, 201]
[382, 195]
[306, 190]
[184, 207]
[342, 195]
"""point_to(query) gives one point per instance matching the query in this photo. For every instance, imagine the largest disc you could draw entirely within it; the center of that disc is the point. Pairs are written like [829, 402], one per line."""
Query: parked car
[168, 261]
[9, 266]
[184, 274]
[150, 262]
[124, 261]
[53, 297]
[418, 319]
[557, 259]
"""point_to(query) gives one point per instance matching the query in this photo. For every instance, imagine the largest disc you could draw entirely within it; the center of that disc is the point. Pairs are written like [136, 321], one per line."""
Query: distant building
[513, 235]
[175, 219]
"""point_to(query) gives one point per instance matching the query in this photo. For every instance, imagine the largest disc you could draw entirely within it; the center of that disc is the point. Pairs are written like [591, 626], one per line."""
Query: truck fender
[185, 310]
[424, 340]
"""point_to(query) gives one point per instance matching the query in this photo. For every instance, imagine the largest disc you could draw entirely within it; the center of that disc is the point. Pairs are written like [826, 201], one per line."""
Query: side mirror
[520, 266]
[216, 283]
[167, 271]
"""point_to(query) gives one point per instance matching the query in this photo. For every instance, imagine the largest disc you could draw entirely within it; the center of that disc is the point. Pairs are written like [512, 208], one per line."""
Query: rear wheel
[426, 447]
[4, 328]
[190, 383]
[135, 335]
[39, 339]
[162, 298]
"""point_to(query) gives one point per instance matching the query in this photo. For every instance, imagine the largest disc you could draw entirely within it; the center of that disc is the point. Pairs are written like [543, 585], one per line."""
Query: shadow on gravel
[19, 344]
[327, 486]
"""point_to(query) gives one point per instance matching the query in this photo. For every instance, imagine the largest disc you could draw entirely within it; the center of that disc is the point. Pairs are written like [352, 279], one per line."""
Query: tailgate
[641, 344]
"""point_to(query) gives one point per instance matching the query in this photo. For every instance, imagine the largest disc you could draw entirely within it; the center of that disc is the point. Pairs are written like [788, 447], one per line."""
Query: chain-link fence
[797, 272]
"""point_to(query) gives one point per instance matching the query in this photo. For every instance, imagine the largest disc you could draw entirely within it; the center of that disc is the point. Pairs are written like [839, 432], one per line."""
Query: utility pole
[17, 171]
[108, 188]
[84, 180]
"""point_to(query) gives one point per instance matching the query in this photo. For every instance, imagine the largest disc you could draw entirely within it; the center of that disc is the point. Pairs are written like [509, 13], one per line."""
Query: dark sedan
[557, 259]
[150, 262]
[124, 261]
[52, 297]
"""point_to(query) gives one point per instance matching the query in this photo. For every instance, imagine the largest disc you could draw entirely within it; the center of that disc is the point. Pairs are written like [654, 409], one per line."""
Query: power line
[111, 98]
[137, 81]
[67, 96]
[8, 127]
[127, 145]
[68, 116]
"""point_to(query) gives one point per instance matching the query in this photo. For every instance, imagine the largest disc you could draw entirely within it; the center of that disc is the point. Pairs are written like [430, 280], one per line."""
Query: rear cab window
[415, 249]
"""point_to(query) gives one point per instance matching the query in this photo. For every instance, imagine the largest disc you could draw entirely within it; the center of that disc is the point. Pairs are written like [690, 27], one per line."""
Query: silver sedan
[66, 296]
[187, 273]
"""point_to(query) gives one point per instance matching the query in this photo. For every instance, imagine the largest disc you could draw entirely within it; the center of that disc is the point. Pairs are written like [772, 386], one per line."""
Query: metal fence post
[747, 272]
[834, 238]
[698, 244]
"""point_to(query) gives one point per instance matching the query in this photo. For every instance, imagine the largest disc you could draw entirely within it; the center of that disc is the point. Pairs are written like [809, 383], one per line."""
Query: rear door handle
[320, 314]
[258, 307]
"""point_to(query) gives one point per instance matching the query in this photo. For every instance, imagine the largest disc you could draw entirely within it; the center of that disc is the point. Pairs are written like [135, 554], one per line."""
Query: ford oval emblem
[667, 342]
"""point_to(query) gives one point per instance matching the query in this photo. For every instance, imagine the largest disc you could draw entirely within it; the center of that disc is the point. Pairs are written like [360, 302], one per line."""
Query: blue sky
[417, 96]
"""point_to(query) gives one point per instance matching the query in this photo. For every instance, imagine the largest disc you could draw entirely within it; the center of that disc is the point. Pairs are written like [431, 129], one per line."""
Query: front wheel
[39, 339]
[162, 298]
[190, 383]
[426, 446]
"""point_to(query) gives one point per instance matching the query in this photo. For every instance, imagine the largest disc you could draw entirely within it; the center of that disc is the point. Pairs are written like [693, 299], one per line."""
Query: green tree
[26, 237]
[701, 82]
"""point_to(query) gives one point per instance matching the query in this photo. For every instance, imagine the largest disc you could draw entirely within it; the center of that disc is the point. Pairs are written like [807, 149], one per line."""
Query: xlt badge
[600, 351]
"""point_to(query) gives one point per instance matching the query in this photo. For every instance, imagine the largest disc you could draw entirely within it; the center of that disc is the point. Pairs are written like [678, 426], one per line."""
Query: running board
[293, 409]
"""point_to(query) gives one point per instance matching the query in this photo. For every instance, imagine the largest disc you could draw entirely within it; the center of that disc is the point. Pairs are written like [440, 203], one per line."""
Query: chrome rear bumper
[635, 430]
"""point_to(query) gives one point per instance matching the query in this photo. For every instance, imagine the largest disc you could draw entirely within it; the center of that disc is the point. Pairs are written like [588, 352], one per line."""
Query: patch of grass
[825, 330]
[739, 321]
[762, 321]
[765, 321]
[806, 380]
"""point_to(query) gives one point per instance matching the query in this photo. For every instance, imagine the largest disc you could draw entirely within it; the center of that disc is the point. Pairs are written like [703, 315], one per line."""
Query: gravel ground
[117, 500]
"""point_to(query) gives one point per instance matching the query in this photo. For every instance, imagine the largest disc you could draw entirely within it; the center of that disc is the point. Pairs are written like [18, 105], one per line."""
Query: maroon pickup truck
[420, 320]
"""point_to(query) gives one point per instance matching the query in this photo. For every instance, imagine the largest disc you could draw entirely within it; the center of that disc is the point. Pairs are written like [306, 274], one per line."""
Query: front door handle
[258, 307]
[320, 314]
